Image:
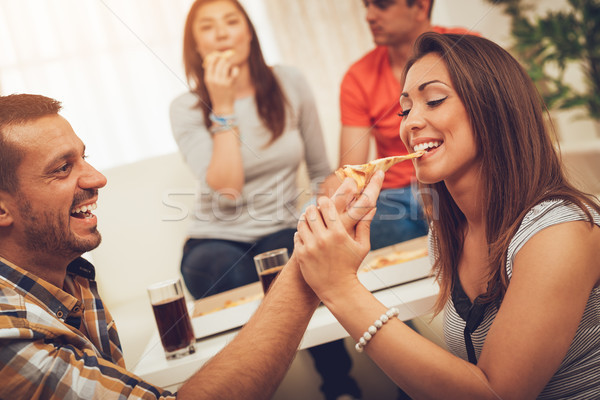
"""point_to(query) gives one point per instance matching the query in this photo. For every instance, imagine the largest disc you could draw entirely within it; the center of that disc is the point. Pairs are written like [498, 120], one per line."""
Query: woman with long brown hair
[244, 129]
[515, 247]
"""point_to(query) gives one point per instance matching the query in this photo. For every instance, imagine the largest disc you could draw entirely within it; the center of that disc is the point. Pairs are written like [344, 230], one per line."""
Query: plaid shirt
[43, 353]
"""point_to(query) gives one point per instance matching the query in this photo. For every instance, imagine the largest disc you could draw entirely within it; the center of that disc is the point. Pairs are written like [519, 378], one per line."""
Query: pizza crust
[363, 173]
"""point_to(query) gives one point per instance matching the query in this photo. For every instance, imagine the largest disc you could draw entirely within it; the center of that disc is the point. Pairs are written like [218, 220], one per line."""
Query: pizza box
[225, 311]
[396, 264]
[382, 268]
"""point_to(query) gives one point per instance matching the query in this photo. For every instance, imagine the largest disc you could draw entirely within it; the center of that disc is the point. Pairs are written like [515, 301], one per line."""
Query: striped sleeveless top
[578, 376]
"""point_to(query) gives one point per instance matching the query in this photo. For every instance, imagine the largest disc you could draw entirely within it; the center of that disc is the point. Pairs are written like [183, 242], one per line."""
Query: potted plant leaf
[547, 45]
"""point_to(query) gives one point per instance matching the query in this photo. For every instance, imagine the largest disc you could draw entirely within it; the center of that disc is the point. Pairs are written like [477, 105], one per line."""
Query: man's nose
[371, 13]
[92, 178]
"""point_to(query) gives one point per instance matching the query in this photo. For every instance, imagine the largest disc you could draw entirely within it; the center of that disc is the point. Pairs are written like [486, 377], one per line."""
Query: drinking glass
[269, 264]
[172, 318]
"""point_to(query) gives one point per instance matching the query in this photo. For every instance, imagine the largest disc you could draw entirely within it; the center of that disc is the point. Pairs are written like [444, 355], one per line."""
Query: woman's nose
[414, 120]
[221, 31]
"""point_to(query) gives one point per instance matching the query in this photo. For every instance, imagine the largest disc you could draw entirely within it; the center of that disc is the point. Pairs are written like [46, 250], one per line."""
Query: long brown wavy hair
[520, 165]
[269, 96]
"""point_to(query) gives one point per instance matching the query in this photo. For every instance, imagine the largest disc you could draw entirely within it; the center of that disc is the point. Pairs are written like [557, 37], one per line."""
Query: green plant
[547, 45]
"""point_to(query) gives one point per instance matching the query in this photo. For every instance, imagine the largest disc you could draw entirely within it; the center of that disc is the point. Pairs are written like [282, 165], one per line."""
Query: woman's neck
[468, 196]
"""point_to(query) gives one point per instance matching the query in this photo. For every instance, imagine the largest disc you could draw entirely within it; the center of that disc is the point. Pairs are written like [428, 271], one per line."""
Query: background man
[56, 338]
[369, 105]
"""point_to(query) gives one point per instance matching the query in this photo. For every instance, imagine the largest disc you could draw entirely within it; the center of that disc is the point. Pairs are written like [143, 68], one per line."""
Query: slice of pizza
[363, 173]
[225, 54]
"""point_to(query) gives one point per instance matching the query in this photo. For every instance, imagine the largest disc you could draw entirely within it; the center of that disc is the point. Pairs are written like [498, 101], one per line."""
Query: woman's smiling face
[435, 119]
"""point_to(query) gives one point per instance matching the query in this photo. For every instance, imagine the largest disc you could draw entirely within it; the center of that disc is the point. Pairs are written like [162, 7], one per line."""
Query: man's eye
[64, 168]
[382, 4]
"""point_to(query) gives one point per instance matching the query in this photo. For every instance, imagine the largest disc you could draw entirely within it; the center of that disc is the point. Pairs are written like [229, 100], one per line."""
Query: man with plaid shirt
[57, 341]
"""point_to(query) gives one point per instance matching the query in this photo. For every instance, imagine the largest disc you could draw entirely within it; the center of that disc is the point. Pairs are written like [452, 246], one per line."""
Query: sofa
[143, 213]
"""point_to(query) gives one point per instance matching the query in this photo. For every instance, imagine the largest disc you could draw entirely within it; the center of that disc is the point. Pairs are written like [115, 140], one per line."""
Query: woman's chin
[427, 179]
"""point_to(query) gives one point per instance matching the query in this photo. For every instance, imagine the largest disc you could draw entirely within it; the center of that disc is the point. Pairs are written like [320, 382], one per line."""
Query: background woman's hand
[219, 76]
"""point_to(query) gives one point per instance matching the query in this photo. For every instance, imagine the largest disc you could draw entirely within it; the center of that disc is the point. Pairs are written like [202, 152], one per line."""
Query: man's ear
[6, 218]
[424, 7]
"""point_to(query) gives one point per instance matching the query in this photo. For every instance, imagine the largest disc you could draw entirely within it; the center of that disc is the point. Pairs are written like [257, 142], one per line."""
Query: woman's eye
[404, 113]
[434, 103]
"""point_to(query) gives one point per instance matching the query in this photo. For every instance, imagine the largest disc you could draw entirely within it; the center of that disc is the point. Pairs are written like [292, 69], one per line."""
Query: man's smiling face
[57, 191]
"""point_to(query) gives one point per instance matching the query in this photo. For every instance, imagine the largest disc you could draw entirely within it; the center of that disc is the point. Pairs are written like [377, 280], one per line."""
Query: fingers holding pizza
[333, 238]
[214, 56]
[220, 74]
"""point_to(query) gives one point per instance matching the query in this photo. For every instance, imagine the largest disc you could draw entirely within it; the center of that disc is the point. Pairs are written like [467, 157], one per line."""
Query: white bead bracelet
[368, 335]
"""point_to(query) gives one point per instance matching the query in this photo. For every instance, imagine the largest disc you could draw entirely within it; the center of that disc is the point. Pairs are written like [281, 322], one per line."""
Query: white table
[413, 299]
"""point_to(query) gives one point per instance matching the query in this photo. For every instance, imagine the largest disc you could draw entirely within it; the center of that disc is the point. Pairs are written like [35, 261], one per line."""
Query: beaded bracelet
[225, 123]
[220, 128]
[368, 335]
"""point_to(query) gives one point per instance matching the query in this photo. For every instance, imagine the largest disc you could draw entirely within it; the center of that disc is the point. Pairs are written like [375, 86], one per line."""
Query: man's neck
[400, 53]
[50, 269]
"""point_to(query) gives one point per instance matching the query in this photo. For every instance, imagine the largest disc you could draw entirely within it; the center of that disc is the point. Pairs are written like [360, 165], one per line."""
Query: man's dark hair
[383, 4]
[410, 3]
[18, 109]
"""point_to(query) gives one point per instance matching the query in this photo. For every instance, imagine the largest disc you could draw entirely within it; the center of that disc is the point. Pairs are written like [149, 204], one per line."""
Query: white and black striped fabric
[578, 376]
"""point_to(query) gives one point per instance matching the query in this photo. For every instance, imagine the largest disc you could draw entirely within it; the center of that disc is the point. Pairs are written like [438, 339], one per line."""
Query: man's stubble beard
[50, 233]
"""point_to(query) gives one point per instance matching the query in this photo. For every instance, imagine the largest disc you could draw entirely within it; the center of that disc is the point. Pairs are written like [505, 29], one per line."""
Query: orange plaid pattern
[43, 352]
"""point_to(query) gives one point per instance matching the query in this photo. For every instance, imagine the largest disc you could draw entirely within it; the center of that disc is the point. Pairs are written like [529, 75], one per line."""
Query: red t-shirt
[369, 97]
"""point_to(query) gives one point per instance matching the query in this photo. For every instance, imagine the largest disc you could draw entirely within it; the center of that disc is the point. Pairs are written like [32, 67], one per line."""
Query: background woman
[515, 247]
[244, 129]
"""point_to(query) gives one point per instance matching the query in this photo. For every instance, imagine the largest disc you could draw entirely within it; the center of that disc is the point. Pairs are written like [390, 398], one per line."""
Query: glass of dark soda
[269, 264]
[172, 318]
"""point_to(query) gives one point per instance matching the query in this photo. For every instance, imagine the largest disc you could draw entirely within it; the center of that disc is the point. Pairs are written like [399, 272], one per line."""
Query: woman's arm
[527, 342]
[311, 132]
[553, 275]
[225, 172]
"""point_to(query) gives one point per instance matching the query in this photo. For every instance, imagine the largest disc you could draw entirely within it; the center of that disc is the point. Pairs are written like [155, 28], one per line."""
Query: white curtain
[322, 38]
[116, 64]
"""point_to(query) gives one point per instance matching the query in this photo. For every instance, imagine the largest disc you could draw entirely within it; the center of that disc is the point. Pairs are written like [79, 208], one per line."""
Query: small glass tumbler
[269, 264]
[172, 318]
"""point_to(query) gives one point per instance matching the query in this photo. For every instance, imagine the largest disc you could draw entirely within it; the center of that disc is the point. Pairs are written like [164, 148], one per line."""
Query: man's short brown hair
[18, 109]
[410, 3]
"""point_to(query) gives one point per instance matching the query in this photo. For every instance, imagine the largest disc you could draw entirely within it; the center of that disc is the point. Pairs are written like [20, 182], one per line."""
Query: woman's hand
[220, 76]
[333, 239]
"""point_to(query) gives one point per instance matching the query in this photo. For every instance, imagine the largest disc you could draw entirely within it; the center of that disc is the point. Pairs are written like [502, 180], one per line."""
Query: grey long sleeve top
[269, 196]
